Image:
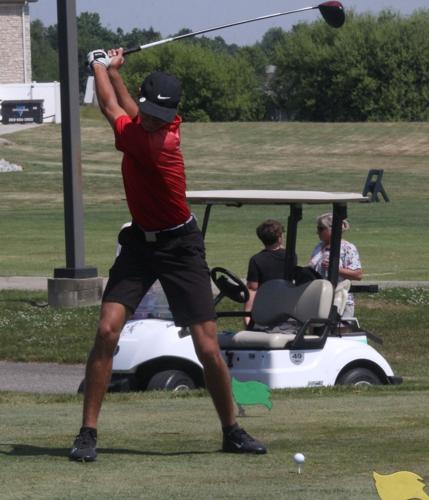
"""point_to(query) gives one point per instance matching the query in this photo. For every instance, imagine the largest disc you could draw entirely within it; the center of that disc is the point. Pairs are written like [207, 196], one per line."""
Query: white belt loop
[150, 236]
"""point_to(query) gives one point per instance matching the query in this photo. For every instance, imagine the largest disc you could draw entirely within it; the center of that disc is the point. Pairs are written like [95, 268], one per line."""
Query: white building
[15, 61]
[15, 41]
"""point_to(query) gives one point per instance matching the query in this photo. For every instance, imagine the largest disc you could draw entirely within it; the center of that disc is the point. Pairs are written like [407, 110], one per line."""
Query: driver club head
[332, 13]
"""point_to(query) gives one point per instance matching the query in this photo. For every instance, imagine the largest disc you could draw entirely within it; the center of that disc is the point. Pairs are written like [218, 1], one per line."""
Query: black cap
[160, 95]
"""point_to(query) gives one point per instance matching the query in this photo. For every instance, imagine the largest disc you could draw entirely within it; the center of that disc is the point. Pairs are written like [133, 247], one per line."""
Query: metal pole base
[72, 292]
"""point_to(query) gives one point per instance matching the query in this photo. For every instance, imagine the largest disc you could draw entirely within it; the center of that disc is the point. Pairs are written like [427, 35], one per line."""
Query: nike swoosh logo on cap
[162, 98]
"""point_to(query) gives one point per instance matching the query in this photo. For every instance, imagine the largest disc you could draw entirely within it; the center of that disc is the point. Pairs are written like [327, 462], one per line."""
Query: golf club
[332, 13]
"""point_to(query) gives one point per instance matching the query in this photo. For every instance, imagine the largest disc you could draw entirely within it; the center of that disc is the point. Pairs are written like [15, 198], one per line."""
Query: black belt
[166, 234]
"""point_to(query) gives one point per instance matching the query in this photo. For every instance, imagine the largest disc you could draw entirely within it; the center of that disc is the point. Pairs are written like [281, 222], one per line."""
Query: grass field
[390, 238]
[160, 446]
[164, 445]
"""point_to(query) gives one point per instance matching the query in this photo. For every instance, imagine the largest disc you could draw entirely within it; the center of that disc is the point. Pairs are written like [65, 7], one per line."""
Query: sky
[170, 16]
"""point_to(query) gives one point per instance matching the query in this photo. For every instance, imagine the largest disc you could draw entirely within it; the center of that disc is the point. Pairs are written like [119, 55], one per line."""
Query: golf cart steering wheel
[229, 285]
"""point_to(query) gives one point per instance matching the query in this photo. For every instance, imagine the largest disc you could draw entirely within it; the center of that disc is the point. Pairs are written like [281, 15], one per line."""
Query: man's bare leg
[218, 382]
[99, 365]
[97, 377]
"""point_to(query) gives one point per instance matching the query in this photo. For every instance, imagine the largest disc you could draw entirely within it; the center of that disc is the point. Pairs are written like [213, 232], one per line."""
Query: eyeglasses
[321, 228]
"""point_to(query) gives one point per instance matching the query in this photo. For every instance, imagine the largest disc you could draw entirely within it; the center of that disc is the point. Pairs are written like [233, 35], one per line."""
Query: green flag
[251, 393]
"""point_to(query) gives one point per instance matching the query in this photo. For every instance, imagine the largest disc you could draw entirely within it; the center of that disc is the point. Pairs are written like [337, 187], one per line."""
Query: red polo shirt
[153, 172]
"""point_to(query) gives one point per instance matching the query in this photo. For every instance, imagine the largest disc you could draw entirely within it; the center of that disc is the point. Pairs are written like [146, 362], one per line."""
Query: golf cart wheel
[359, 377]
[170, 380]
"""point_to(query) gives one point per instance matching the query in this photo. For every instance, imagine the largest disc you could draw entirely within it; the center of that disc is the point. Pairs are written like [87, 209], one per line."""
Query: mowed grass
[32, 331]
[391, 237]
[162, 446]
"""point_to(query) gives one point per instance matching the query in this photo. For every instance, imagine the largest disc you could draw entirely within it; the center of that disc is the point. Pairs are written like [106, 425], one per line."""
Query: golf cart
[298, 337]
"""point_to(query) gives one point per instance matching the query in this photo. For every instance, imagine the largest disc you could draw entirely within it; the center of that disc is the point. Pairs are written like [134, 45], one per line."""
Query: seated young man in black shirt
[268, 264]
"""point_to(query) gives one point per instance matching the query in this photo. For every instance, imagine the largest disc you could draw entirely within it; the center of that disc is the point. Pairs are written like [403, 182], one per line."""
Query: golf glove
[98, 56]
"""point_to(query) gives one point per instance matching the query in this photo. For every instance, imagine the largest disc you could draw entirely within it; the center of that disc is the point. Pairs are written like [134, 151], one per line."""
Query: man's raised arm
[99, 61]
[124, 99]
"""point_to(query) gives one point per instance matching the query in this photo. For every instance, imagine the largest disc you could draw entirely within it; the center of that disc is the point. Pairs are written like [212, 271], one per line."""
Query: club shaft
[208, 30]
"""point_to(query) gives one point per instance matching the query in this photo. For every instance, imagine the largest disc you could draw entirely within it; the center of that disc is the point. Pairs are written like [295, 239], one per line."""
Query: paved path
[41, 283]
[44, 378]
[23, 283]
[11, 128]
[27, 283]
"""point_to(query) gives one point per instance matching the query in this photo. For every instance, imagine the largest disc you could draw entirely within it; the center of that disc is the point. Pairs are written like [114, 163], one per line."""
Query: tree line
[375, 68]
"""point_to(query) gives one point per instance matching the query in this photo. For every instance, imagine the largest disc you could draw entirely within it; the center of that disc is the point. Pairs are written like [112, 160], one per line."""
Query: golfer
[162, 243]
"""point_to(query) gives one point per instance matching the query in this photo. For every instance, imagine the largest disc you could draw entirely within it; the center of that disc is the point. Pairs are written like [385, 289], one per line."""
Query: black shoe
[84, 445]
[237, 440]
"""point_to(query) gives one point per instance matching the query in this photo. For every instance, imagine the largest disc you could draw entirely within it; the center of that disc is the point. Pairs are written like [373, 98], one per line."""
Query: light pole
[75, 284]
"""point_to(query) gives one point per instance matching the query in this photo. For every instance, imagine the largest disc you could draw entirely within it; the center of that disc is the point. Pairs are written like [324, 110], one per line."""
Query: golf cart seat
[279, 302]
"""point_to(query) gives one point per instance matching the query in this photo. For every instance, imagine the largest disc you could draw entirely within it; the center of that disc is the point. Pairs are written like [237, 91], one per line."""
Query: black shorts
[177, 259]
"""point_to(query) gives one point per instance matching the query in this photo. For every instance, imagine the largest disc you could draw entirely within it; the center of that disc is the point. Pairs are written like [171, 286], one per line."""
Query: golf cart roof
[295, 200]
[272, 197]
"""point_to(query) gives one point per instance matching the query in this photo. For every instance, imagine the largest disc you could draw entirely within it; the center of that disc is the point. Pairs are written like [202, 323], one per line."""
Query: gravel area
[6, 166]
